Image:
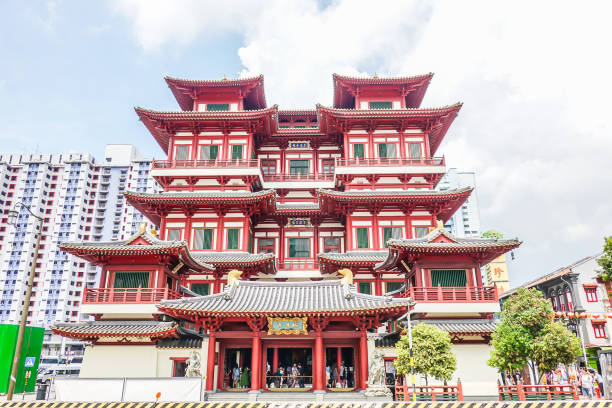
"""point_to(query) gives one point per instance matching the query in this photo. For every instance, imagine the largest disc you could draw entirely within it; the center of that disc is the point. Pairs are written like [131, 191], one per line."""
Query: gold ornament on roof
[233, 277]
[347, 276]
[375, 76]
[440, 225]
[224, 78]
[153, 232]
[142, 227]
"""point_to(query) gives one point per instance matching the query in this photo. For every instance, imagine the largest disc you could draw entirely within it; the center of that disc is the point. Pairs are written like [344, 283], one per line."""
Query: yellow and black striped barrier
[363, 404]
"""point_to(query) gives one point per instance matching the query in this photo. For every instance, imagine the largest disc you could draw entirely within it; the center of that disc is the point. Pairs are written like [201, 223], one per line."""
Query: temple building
[289, 238]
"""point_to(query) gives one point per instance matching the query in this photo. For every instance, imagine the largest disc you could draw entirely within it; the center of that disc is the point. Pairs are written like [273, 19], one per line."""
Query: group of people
[589, 381]
[240, 377]
[340, 377]
[289, 377]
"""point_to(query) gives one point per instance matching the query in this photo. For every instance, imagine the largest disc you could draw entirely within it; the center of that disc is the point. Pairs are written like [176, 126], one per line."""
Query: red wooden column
[212, 326]
[338, 360]
[363, 359]
[256, 324]
[377, 285]
[274, 360]
[318, 323]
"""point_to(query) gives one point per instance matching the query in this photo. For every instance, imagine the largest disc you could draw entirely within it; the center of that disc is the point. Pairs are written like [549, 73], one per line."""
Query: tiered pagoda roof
[443, 203]
[434, 120]
[141, 245]
[162, 123]
[440, 242]
[258, 298]
[117, 329]
[330, 262]
[187, 90]
[413, 87]
[153, 205]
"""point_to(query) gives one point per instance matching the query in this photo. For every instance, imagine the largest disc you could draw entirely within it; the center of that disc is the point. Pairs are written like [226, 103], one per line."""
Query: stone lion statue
[193, 365]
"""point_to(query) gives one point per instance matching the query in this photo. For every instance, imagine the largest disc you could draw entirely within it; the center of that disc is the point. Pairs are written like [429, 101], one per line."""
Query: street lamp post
[12, 215]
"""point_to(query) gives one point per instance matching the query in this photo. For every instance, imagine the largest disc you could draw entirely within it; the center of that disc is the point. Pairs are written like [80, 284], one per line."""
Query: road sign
[29, 361]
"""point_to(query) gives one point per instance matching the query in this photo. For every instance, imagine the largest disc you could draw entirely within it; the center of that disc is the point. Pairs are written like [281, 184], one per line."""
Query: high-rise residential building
[466, 221]
[305, 233]
[67, 191]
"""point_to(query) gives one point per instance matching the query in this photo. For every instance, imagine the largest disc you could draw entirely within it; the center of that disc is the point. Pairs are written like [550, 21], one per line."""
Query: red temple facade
[263, 210]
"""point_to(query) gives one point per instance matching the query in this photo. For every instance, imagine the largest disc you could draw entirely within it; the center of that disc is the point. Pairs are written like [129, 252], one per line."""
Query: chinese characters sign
[287, 325]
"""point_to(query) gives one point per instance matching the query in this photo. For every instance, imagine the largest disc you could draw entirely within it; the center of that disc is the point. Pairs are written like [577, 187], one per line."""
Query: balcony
[179, 168]
[128, 295]
[298, 180]
[126, 302]
[454, 300]
[420, 165]
[304, 268]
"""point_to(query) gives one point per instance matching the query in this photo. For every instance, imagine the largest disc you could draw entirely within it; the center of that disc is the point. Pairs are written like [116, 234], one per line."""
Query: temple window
[591, 294]
[380, 105]
[181, 152]
[386, 150]
[364, 287]
[236, 152]
[391, 233]
[217, 107]
[448, 277]
[393, 286]
[358, 151]
[232, 238]
[600, 330]
[299, 248]
[415, 150]
[298, 166]
[328, 165]
[125, 280]
[203, 238]
[362, 237]
[420, 232]
[568, 298]
[560, 301]
[268, 167]
[300, 126]
[265, 245]
[174, 234]
[209, 152]
[331, 245]
[200, 288]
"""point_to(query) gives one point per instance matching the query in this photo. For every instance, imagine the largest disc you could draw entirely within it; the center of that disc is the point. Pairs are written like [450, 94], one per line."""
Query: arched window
[553, 300]
[560, 301]
[568, 299]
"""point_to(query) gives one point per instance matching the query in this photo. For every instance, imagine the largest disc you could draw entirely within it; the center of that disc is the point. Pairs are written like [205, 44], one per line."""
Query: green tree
[529, 335]
[431, 350]
[554, 345]
[605, 261]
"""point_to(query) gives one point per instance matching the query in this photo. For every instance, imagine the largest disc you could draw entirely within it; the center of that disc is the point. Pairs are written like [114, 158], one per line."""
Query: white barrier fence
[129, 389]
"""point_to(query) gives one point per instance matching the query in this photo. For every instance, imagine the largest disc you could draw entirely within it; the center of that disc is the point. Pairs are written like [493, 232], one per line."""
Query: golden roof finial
[375, 76]
[224, 78]
[153, 232]
[233, 277]
[440, 225]
[348, 276]
[142, 227]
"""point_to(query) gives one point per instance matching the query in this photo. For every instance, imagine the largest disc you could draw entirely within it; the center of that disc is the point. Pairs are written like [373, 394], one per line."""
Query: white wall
[119, 361]
[476, 376]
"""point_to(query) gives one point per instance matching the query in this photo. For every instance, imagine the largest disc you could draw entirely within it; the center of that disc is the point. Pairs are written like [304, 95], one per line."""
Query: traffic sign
[29, 361]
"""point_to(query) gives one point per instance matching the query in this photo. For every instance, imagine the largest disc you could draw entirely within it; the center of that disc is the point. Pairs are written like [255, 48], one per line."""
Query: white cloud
[534, 77]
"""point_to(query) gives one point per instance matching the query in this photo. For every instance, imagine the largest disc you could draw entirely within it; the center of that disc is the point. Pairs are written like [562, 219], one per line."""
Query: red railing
[399, 161]
[429, 393]
[297, 264]
[193, 164]
[128, 295]
[299, 177]
[452, 294]
[522, 392]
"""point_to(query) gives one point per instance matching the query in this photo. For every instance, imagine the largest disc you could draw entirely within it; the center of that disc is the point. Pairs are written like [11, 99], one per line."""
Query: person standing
[586, 382]
[294, 375]
[599, 380]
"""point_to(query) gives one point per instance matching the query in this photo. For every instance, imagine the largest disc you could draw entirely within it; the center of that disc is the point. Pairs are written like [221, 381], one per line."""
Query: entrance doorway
[289, 368]
[340, 368]
[237, 364]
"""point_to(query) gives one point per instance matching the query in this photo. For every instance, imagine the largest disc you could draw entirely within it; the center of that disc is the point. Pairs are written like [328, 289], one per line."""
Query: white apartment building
[465, 223]
[67, 191]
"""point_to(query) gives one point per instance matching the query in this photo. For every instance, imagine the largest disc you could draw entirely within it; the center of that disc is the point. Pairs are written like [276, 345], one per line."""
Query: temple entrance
[289, 368]
[340, 368]
[237, 367]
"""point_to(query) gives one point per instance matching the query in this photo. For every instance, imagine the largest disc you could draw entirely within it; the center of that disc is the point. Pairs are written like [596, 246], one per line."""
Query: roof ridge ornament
[440, 225]
[347, 276]
[233, 277]
[142, 228]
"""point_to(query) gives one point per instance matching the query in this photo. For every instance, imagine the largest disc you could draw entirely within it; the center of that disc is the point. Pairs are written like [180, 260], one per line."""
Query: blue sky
[72, 75]
[534, 78]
